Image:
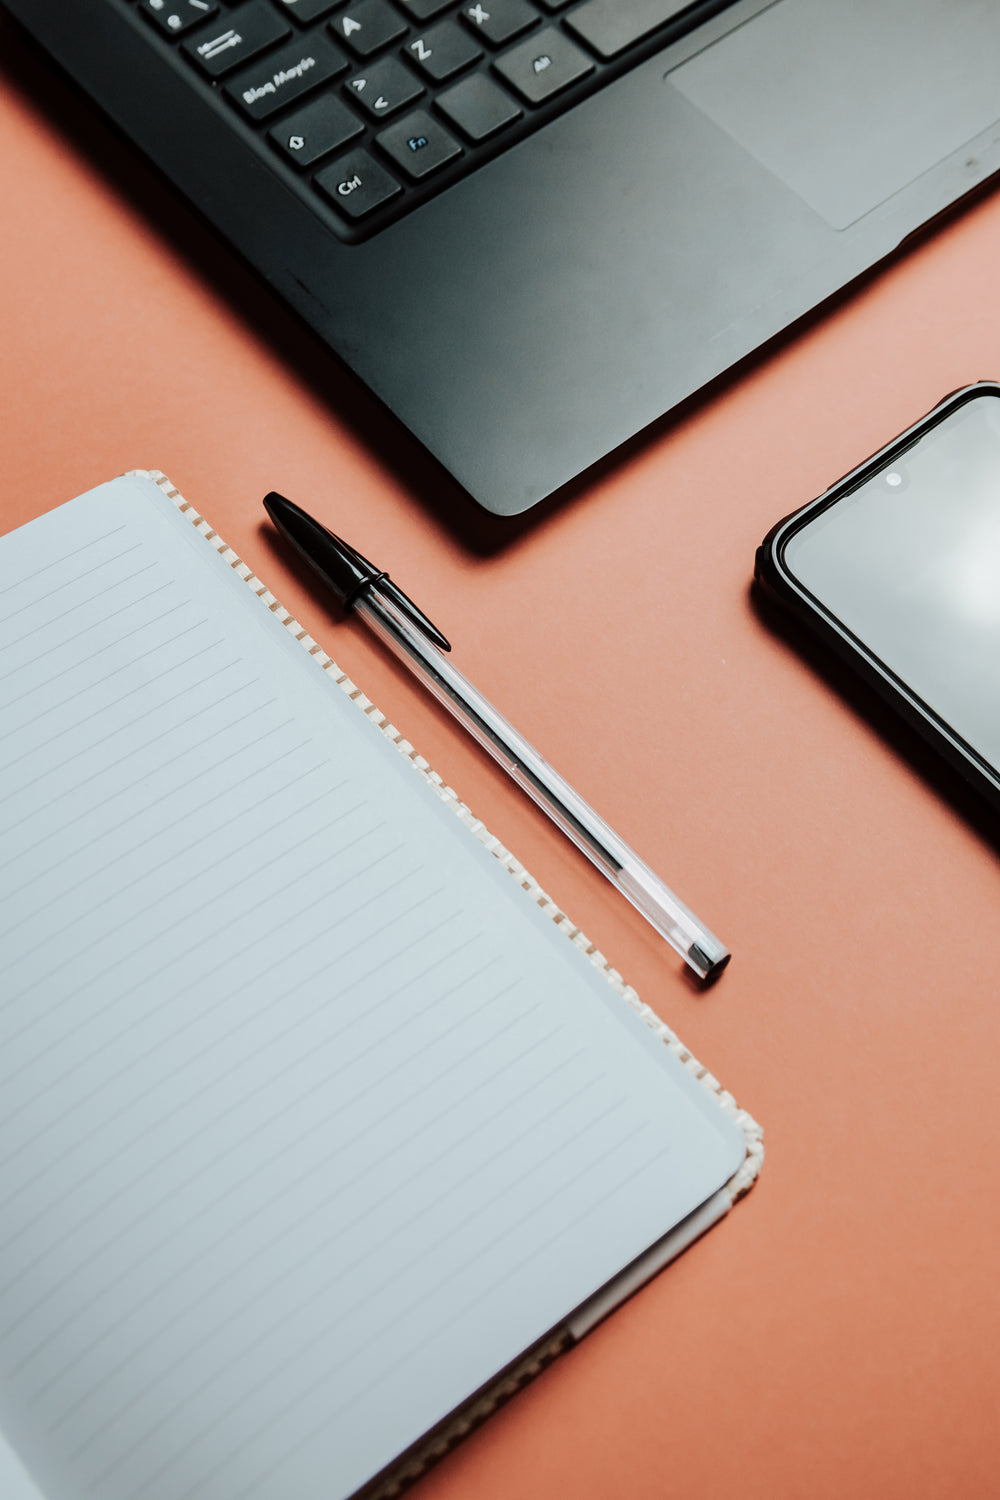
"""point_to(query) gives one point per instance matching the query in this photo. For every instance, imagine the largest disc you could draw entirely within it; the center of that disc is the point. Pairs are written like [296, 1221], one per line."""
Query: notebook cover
[435, 1444]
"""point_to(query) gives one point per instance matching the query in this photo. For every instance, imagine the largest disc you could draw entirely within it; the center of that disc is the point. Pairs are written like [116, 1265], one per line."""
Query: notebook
[321, 1127]
[532, 227]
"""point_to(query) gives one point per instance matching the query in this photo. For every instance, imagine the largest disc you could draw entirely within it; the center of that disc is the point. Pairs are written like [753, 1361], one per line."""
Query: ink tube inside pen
[699, 947]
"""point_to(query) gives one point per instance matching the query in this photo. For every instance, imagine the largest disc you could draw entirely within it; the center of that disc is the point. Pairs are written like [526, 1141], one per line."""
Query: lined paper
[309, 1120]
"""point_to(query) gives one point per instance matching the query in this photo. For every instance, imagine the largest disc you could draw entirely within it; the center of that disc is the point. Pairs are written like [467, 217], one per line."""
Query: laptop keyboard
[372, 106]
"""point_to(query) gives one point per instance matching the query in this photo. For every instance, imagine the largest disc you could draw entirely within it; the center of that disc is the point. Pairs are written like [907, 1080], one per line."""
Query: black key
[177, 16]
[356, 185]
[419, 145]
[315, 130]
[251, 29]
[611, 26]
[368, 26]
[443, 51]
[478, 107]
[308, 10]
[384, 87]
[544, 65]
[423, 10]
[275, 80]
[500, 21]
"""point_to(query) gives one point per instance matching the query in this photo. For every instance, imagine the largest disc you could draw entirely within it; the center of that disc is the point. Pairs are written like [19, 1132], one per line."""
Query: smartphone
[897, 568]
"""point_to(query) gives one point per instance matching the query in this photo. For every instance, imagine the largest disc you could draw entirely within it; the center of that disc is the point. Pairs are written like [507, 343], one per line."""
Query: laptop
[533, 227]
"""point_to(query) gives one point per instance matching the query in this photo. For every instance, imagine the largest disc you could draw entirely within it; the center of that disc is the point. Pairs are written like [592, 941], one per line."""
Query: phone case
[771, 573]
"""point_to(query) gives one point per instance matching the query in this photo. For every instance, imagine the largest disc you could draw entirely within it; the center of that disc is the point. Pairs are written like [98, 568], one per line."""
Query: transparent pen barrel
[700, 948]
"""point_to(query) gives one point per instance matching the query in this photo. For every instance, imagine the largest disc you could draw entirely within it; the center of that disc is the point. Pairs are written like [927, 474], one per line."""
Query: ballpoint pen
[411, 636]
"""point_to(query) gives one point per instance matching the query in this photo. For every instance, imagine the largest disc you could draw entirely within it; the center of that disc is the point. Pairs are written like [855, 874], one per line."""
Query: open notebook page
[310, 1121]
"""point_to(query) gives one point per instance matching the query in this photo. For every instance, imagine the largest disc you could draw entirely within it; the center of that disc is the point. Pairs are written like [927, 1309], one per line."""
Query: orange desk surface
[839, 1334]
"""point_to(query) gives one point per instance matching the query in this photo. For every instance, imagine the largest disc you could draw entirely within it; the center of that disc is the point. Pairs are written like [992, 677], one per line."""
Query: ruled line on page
[57, 1080]
[327, 858]
[105, 708]
[502, 1111]
[195, 1392]
[31, 635]
[181, 921]
[322, 934]
[110, 1328]
[143, 843]
[114, 795]
[54, 1080]
[68, 583]
[109, 1161]
[61, 646]
[372, 1332]
[54, 1121]
[113, 734]
[205, 869]
[57, 562]
[265, 1125]
[460, 1314]
[342, 1149]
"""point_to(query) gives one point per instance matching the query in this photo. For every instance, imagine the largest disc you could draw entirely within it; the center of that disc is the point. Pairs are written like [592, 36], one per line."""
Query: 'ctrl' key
[356, 185]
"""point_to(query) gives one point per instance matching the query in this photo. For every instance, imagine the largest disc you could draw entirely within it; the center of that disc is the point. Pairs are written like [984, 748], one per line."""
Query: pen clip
[374, 579]
[368, 578]
[384, 585]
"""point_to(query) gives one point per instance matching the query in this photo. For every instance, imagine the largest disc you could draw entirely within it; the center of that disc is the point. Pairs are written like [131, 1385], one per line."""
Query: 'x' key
[499, 21]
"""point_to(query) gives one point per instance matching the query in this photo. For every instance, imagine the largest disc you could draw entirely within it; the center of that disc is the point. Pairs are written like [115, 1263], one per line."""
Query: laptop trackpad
[848, 102]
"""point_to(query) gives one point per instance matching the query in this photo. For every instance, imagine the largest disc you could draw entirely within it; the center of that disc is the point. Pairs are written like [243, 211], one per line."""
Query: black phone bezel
[772, 573]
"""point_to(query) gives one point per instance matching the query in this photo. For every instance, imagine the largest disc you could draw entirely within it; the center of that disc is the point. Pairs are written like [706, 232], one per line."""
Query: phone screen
[909, 562]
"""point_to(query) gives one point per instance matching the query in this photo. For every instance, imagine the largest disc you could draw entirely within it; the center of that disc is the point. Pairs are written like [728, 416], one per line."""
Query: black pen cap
[342, 568]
